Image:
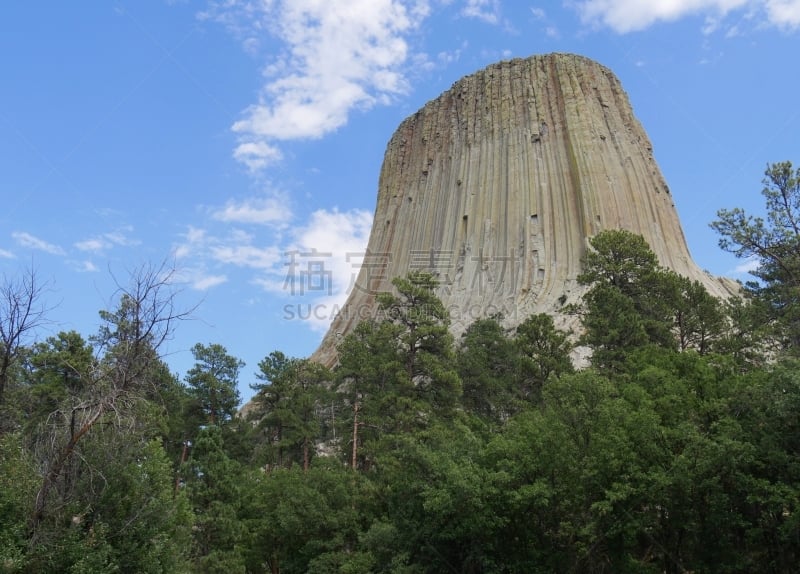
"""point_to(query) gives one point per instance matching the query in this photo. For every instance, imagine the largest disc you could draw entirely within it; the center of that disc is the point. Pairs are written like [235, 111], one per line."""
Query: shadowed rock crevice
[496, 185]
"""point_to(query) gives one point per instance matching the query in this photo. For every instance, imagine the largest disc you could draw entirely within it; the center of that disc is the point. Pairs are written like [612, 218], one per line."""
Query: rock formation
[496, 185]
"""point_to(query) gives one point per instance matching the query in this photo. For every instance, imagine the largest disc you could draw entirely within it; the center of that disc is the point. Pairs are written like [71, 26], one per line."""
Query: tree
[214, 483]
[57, 369]
[370, 380]
[699, 317]
[270, 399]
[425, 342]
[213, 381]
[633, 301]
[486, 361]
[129, 341]
[542, 351]
[21, 313]
[289, 405]
[625, 306]
[774, 243]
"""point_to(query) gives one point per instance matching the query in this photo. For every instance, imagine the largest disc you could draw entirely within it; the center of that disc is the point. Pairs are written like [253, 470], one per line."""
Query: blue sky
[222, 136]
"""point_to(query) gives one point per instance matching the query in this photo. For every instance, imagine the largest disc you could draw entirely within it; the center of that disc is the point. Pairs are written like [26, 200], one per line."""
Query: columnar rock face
[497, 185]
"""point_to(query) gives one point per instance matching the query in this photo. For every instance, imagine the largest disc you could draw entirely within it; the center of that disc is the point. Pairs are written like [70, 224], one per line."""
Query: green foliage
[486, 362]
[774, 243]
[633, 302]
[214, 486]
[307, 521]
[424, 341]
[397, 375]
[542, 353]
[676, 452]
[213, 382]
[289, 408]
[700, 318]
[18, 484]
[371, 388]
[56, 370]
[117, 513]
[626, 306]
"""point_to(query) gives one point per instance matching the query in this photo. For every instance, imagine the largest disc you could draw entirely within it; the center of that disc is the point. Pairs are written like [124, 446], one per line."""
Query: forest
[677, 449]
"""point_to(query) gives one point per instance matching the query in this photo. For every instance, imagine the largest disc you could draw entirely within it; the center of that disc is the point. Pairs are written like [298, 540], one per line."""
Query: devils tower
[496, 186]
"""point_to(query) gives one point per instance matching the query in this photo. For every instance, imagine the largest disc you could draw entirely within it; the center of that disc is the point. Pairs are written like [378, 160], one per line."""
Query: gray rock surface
[497, 185]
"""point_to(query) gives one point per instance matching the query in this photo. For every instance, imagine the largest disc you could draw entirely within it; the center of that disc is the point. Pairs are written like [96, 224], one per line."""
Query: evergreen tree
[486, 362]
[774, 243]
[213, 382]
[372, 386]
[56, 369]
[424, 342]
[542, 352]
[214, 484]
[700, 319]
[290, 406]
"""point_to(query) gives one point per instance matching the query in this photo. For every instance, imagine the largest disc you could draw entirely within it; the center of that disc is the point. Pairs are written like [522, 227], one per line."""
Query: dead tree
[127, 343]
[21, 313]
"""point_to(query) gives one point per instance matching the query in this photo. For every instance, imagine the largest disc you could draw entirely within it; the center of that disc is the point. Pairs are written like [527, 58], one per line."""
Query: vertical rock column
[496, 186]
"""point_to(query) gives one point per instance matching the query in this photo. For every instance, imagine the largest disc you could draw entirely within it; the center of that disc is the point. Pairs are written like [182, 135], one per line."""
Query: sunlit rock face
[496, 186]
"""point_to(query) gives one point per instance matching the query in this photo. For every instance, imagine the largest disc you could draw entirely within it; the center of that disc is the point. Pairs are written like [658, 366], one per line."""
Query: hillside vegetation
[676, 450]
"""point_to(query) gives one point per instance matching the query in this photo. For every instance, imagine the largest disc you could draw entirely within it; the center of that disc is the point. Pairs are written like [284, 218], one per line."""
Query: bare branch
[129, 341]
[21, 313]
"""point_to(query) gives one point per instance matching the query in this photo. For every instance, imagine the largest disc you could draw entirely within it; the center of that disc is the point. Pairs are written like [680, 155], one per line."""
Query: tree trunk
[355, 434]
[184, 452]
[58, 466]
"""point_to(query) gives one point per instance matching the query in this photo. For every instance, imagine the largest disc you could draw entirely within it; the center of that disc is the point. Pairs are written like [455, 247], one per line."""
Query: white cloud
[538, 13]
[119, 237]
[205, 282]
[625, 16]
[247, 255]
[7, 254]
[314, 263]
[338, 55]
[193, 238]
[272, 209]
[784, 13]
[200, 249]
[106, 241]
[257, 155]
[747, 266]
[85, 266]
[486, 10]
[25, 239]
[324, 261]
[94, 245]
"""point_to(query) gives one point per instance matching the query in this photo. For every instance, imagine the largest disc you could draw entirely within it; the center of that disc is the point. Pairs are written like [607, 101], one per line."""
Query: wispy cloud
[486, 10]
[323, 262]
[248, 255]
[314, 262]
[106, 241]
[784, 13]
[747, 266]
[94, 245]
[257, 155]
[84, 266]
[625, 16]
[25, 239]
[199, 252]
[337, 56]
[271, 209]
[550, 29]
[205, 282]
[6, 254]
